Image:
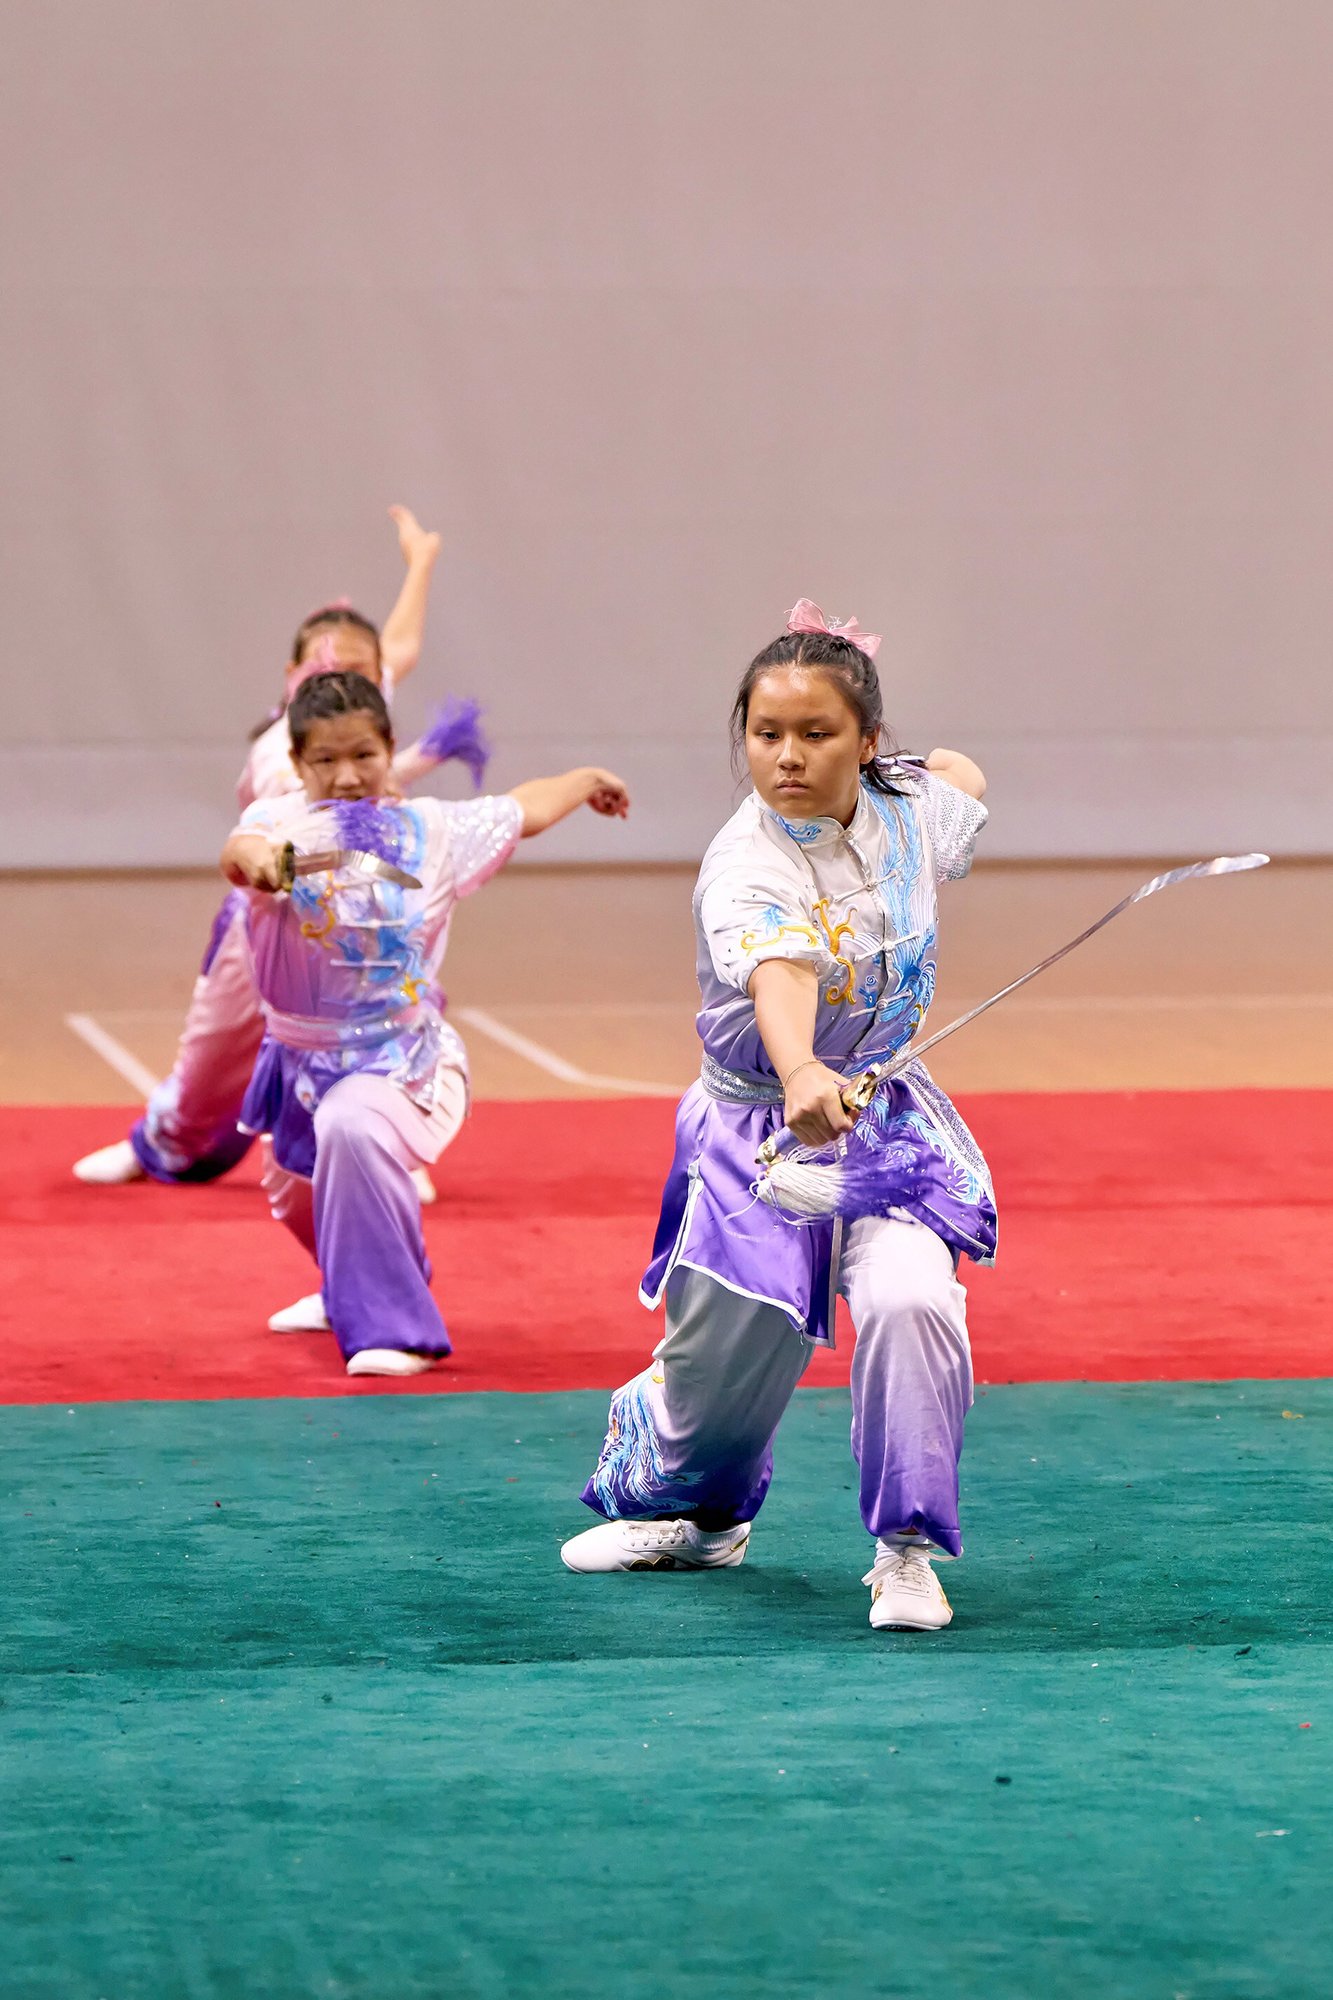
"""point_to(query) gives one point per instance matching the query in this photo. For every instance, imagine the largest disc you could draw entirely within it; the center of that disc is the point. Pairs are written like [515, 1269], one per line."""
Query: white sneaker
[905, 1592]
[389, 1361]
[110, 1166]
[306, 1316]
[654, 1545]
[426, 1189]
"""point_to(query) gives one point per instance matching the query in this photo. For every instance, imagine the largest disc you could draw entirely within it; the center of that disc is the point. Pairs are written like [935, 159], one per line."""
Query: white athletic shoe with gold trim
[110, 1166]
[654, 1545]
[905, 1593]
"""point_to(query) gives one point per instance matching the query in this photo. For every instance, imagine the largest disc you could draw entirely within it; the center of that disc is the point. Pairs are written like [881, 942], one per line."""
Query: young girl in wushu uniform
[360, 1080]
[815, 916]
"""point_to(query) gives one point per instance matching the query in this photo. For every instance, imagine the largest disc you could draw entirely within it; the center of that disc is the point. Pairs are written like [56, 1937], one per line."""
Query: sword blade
[355, 859]
[1225, 864]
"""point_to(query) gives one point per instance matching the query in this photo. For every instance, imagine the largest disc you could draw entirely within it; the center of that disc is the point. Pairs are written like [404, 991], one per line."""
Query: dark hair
[332, 614]
[318, 621]
[326, 695]
[851, 671]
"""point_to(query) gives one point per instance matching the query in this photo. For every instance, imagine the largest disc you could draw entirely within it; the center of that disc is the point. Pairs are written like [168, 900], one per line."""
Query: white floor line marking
[113, 1052]
[554, 1065]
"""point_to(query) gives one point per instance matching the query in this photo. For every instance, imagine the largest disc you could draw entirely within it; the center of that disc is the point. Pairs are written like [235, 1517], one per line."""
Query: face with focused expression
[805, 745]
[344, 757]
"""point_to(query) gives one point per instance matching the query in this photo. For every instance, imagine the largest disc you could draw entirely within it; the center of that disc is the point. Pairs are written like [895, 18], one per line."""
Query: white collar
[819, 835]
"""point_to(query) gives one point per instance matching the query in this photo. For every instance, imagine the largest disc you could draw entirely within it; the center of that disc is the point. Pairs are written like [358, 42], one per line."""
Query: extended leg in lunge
[359, 1216]
[689, 1452]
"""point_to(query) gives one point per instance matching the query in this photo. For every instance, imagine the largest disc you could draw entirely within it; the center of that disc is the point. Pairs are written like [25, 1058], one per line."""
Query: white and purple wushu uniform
[748, 1292]
[188, 1131]
[360, 1079]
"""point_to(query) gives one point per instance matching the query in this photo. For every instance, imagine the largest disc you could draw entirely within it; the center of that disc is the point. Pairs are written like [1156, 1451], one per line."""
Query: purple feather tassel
[455, 732]
[372, 826]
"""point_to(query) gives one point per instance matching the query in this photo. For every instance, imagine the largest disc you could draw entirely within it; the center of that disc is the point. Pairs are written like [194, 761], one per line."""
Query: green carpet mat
[297, 1701]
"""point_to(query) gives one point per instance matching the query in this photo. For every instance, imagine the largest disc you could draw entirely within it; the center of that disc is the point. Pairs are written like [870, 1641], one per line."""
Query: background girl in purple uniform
[360, 1080]
[815, 920]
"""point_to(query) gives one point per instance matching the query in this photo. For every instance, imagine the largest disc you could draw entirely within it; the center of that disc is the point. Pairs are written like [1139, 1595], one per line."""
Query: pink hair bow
[807, 617]
[323, 660]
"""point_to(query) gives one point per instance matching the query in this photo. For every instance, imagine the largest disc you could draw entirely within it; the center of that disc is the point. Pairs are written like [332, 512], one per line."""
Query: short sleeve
[262, 816]
[747, 918]
[953, 820]
[483, 833]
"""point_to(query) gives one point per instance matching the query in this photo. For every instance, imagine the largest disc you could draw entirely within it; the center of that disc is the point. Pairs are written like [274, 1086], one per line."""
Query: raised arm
[785, 992]
[956, 769]
[546, 800]
[400, 641]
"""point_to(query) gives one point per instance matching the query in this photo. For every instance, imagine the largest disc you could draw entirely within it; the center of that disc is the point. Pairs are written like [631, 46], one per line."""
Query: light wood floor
[1217, 984]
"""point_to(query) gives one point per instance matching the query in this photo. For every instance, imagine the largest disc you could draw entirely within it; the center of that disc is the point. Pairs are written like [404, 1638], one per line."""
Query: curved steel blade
[1225, 864]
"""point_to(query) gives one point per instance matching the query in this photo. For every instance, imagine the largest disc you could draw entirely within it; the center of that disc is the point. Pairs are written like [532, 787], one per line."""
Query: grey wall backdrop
[1005, 324]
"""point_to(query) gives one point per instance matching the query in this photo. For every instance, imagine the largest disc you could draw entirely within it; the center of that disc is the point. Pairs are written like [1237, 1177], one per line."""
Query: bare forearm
[785, 992]
[956, 769]
[411, 764]
[400, 641]
[546, 800]
[786, 1004]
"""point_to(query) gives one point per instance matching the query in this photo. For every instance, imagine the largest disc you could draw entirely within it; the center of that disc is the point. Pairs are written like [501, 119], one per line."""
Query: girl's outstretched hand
[253, 861]
[813, 1108]
[608, 794]
[546, 800]
[416, 543]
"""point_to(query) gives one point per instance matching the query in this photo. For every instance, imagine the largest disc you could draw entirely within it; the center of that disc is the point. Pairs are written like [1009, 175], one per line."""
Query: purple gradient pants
[360, 1218]
[694, 1433]
[188, 1131]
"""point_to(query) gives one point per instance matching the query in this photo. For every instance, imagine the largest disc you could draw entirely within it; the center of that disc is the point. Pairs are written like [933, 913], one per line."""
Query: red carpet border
[1156, 1236]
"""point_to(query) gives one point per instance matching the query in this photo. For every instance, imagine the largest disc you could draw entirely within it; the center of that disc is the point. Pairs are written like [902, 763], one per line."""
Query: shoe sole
[728, 1561]
[389, 1374]
[912, 1624]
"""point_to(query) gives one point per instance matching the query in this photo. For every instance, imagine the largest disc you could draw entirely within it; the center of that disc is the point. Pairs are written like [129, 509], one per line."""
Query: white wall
[1005, 324]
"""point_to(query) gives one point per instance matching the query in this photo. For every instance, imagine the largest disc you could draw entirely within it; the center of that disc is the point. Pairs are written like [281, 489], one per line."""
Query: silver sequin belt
[304, 1031]
[732, 1086]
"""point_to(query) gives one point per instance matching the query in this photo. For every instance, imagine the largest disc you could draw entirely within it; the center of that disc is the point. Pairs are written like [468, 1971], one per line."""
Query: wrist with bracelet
[809, 1063]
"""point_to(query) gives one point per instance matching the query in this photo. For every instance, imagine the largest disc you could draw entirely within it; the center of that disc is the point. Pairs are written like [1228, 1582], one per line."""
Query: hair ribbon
[322, 660]
[806, 616]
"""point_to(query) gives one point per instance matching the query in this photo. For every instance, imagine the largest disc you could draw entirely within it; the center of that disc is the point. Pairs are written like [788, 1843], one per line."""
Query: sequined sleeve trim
[953, 821]
[483, 833]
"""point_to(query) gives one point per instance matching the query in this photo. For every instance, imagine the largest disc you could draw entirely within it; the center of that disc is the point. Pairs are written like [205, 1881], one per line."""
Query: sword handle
[856, 1094]
[773, 1149]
